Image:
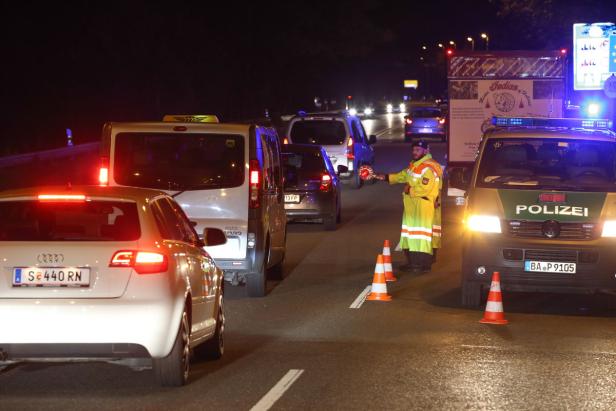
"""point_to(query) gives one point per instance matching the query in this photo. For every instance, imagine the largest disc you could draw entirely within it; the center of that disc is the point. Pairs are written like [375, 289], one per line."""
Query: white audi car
[109, 273]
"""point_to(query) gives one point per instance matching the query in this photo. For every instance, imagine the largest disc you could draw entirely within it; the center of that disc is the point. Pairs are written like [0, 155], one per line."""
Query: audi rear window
[319, 132]
[69, 221]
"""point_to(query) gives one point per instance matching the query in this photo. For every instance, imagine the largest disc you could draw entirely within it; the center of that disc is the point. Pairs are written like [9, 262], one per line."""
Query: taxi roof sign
[586, 123]
[191, 118]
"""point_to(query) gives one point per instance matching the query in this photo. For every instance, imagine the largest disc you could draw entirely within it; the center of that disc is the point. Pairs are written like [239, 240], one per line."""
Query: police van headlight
[484, 224]
[609, 229]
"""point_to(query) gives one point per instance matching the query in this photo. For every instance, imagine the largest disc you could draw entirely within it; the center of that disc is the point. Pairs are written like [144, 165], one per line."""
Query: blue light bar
[586, 123]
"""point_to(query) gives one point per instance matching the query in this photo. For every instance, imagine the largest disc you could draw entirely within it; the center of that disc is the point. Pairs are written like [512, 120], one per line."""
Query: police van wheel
[356, 181]
[471, 294]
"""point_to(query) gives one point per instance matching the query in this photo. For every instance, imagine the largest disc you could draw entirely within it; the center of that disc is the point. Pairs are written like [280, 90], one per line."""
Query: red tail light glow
[62, 197]
[103, 172]
[285, 141]
[441, 121]
[350, 153]
[143, 262]
[255, 184]
[326, 182]
[409, 121]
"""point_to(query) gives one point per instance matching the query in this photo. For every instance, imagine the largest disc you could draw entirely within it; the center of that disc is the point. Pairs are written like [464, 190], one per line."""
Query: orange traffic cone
[379, 286]
[494, 313]
[389, 274]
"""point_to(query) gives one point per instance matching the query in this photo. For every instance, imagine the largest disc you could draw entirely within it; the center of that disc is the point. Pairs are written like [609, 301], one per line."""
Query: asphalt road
[420, 351]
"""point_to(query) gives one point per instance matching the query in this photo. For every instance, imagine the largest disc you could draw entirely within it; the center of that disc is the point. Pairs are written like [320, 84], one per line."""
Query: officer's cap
[421, 143]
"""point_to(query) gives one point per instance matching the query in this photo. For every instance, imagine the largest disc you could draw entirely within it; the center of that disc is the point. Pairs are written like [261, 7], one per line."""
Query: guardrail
[19, 159]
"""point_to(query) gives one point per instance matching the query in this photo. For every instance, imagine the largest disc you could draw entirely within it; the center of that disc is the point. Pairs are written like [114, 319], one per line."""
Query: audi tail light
[62, 197]
[326, 182]
[350, 152]
[143, 262]
[255, 184]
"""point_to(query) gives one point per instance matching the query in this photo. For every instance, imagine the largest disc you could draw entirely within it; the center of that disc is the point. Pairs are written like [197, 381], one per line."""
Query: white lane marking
[385, 131]
[277, 391]
[361, 298]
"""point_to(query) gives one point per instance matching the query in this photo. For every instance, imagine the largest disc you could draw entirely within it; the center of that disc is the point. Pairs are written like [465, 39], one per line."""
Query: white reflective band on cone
[379, 288]
[494, 307]
[388, 268]
[495, 286]
[379, 269]
[386, 251]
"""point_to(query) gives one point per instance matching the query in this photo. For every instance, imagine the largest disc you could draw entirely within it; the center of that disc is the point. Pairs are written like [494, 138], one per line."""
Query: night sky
[79, 64]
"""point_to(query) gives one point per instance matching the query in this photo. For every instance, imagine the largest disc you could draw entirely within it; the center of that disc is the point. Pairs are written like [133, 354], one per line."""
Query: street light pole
[472, 41]
[487, 39]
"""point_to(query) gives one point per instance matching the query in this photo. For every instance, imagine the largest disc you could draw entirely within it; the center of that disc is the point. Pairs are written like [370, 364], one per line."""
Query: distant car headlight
[353, 111]
[367, 111]
[484, 224]
[609, 229]
[389, 108]
[402, 108]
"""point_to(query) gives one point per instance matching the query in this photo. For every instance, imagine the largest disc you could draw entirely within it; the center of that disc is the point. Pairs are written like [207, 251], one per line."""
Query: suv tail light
[350, 153]
[255, 184]
[143, 262]
[409, 121]
[441, 120]
[103, 172]
[326, 182]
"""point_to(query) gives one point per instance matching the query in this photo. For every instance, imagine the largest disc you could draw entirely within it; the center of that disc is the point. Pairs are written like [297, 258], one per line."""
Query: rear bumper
[106, 328]
[595, 265]
[312, 205]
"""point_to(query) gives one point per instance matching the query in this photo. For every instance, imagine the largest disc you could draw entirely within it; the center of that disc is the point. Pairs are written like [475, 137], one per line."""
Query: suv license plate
[51, 277]
[291, 198]
[549, 267]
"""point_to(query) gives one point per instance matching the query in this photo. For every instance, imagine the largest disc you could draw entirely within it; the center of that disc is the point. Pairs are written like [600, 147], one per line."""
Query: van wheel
[214, 348]
[173, 370]
[256, 281]
[356, 181]
[471, 294]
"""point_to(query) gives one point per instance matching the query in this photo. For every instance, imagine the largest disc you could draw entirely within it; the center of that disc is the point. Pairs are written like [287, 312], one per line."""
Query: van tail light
[350, 153]
[143, 262]
[409, 121]
[103, 172]
[441, 121]
[255, 184]
[326, 182]
[285, 140]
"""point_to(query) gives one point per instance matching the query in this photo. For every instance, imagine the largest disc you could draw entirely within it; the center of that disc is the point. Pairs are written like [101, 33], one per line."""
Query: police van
[541, 208]
[226, 176]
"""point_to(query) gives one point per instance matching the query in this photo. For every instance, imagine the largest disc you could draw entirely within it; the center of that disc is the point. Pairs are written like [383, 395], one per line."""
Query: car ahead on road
[223, 175]
[342, 136]
[541, 208]
[102, 273]
[424, 122]
[311, 186]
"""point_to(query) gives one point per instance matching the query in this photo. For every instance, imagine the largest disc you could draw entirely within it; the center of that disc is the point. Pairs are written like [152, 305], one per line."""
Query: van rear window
[173, 161]
[68, 221]
[319, 132]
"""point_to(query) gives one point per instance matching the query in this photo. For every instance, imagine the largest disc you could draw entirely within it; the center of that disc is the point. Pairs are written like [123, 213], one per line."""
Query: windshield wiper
[201, 186]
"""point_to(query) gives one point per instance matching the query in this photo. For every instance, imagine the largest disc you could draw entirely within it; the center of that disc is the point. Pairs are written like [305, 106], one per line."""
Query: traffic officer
[418, 198]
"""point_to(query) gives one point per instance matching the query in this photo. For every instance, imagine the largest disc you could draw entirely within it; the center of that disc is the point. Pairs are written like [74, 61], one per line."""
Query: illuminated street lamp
[440, 45]
[452, 43]
[487, 39]
[424, 47]
[472, 41]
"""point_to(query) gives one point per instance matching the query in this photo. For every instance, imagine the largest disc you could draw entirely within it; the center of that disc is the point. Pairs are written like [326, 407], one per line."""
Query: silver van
[226, 176]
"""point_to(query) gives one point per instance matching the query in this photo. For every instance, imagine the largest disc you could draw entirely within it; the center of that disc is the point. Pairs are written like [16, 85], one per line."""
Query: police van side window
[267, 163]
[358, 132]
[275, 157]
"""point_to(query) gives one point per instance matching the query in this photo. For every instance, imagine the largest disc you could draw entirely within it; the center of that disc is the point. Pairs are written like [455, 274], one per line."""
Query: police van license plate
[51, 277]
[291, 198]
[425, 130]
[548, 267]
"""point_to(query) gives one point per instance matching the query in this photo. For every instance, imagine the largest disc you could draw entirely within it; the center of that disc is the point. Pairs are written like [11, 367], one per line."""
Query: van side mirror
[460, 178]
[372, 139]
[213, 237]
[342, 169]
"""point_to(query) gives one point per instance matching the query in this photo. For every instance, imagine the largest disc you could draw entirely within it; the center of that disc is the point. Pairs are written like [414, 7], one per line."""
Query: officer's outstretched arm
[398, 178]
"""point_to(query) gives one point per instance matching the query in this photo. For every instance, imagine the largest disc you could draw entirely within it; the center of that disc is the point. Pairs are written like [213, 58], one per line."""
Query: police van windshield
[320, 132]
[172, 161]
[544, 164]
